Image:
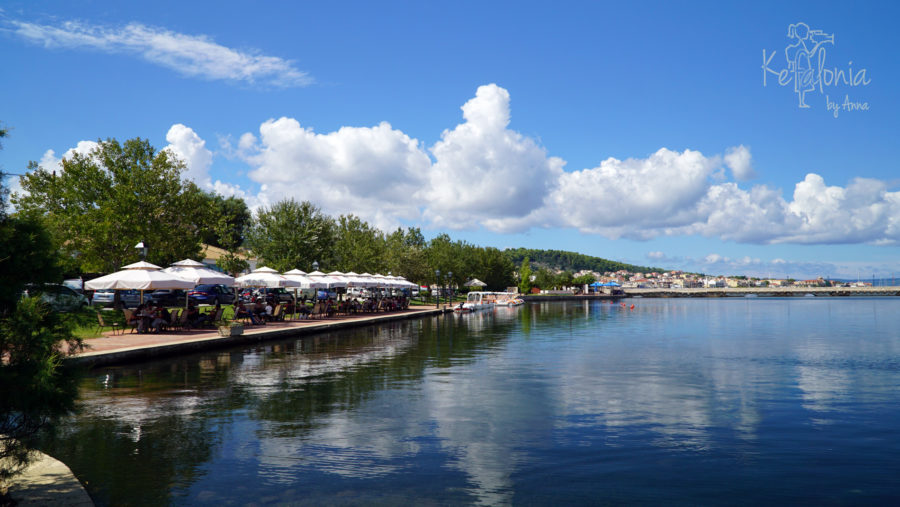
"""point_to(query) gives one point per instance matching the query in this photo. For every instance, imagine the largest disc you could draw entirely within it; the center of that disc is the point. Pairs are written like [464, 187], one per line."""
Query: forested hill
[571, 261]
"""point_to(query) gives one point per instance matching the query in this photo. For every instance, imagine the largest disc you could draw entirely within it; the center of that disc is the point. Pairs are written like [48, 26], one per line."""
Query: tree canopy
[292, 234]
[571, 261]
[34, 388]
[101, 204]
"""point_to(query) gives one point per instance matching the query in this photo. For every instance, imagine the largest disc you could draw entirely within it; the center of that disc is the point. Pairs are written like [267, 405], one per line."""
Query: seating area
[147, 319]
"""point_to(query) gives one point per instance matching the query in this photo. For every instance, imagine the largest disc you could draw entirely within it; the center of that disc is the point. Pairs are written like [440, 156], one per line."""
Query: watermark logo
[807, 70]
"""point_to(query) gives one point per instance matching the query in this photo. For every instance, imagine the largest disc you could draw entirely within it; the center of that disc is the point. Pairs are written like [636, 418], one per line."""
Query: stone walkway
[48, 482]
[130, 346]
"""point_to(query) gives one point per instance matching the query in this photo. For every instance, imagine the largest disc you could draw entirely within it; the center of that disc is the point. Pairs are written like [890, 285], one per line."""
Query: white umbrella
[140, 276]
[327, 280]
[265, 278]
[357, 280]
[305, 281]
[198, 273]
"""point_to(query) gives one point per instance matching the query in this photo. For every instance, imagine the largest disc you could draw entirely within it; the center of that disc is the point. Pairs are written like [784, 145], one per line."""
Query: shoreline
[114, 349]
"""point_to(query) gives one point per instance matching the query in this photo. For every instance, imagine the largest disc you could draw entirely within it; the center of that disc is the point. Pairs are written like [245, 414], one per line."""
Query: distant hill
[571, 261]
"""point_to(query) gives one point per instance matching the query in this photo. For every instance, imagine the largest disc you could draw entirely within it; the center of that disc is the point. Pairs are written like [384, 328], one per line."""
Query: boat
[477, 300]
[508, 299]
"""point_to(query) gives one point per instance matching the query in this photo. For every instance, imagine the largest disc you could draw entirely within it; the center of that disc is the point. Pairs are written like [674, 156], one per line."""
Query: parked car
[167, 297]
[275, 295]
[210, 294]
[129, 298]
[59, 297]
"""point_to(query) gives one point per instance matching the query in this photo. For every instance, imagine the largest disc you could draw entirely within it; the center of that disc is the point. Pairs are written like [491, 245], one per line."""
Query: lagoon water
[678, 401]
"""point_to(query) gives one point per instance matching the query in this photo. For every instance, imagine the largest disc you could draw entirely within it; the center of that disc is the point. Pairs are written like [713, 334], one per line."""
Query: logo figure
[805, 58]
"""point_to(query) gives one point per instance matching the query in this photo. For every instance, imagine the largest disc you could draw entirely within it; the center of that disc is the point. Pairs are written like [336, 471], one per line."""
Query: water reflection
[548, 401]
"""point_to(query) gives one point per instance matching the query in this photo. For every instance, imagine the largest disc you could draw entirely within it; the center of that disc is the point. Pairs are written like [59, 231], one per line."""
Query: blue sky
[641, 133]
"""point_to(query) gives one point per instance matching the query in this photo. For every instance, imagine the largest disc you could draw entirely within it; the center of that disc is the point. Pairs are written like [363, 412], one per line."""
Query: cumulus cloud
[373, 172]
[191, 149]
[486, 174]
[50, 162]
[737, 159]
[189, 55]
[634, 198]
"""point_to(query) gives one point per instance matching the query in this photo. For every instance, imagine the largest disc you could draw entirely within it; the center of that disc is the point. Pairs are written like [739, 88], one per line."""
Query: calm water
[679, 401]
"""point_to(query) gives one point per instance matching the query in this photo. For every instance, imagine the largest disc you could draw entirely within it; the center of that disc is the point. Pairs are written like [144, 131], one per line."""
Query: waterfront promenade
[129, 347]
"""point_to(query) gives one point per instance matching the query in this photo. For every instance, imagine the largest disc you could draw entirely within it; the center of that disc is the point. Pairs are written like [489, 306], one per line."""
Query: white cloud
[737, 158]
[51, 163]
[191, 149]
[485, 174]
[634, 198]
[656, 255]
[189, 55]
[373, 172]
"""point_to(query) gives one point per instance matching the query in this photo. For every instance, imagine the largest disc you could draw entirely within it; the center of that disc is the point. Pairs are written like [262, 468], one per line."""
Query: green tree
[227, 221]
[358, 247]
[101, 204]
[291, 235]
[585, 279]
[564, 279]
[446, 256]
[405, 254]
[495, 269]
[35, 389]
[545, 279]
[525, 276]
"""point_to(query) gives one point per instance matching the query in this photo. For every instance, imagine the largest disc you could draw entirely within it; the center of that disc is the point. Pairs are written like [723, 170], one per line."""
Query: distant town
[682, 280]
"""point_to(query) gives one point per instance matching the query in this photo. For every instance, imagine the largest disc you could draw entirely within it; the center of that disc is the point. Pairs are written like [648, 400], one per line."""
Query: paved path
[48, 482]
[129, 346]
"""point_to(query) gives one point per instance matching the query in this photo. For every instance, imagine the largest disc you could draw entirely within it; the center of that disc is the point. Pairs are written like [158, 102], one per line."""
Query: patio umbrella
[140, 276]
[265, 278]
[474, 283]
[330, 282]
[306, 282]
[198, 273]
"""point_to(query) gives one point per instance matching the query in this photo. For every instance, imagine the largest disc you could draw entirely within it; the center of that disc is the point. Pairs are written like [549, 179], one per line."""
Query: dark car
[167, 297]
[275, 295]
[209, 294]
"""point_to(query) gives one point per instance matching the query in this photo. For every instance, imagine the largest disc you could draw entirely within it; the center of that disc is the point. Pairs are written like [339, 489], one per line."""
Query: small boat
[477, 301]
[508, 299]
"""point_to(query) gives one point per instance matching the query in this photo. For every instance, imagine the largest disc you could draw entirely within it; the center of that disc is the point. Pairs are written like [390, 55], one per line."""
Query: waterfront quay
[125, 347]
[764, 292]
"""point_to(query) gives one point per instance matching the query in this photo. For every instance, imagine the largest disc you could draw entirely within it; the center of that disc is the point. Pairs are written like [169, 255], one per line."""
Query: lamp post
[450, 287]
[315, 265]
[437, 277]
[142, 250]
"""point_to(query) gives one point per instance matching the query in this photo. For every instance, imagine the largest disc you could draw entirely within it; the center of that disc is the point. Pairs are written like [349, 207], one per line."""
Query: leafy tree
[358, 246]
[495, 269]
[103, 203]
[564, 279]
[585, 279]
[545, 279]
[405, 254]
[291, 235]
[231, 219]
[34, 389]
[525, 276]
[446, 256]
[227, 221]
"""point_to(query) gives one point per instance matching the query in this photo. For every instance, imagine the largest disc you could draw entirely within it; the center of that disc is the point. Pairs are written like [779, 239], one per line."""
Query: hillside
[571, 261]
